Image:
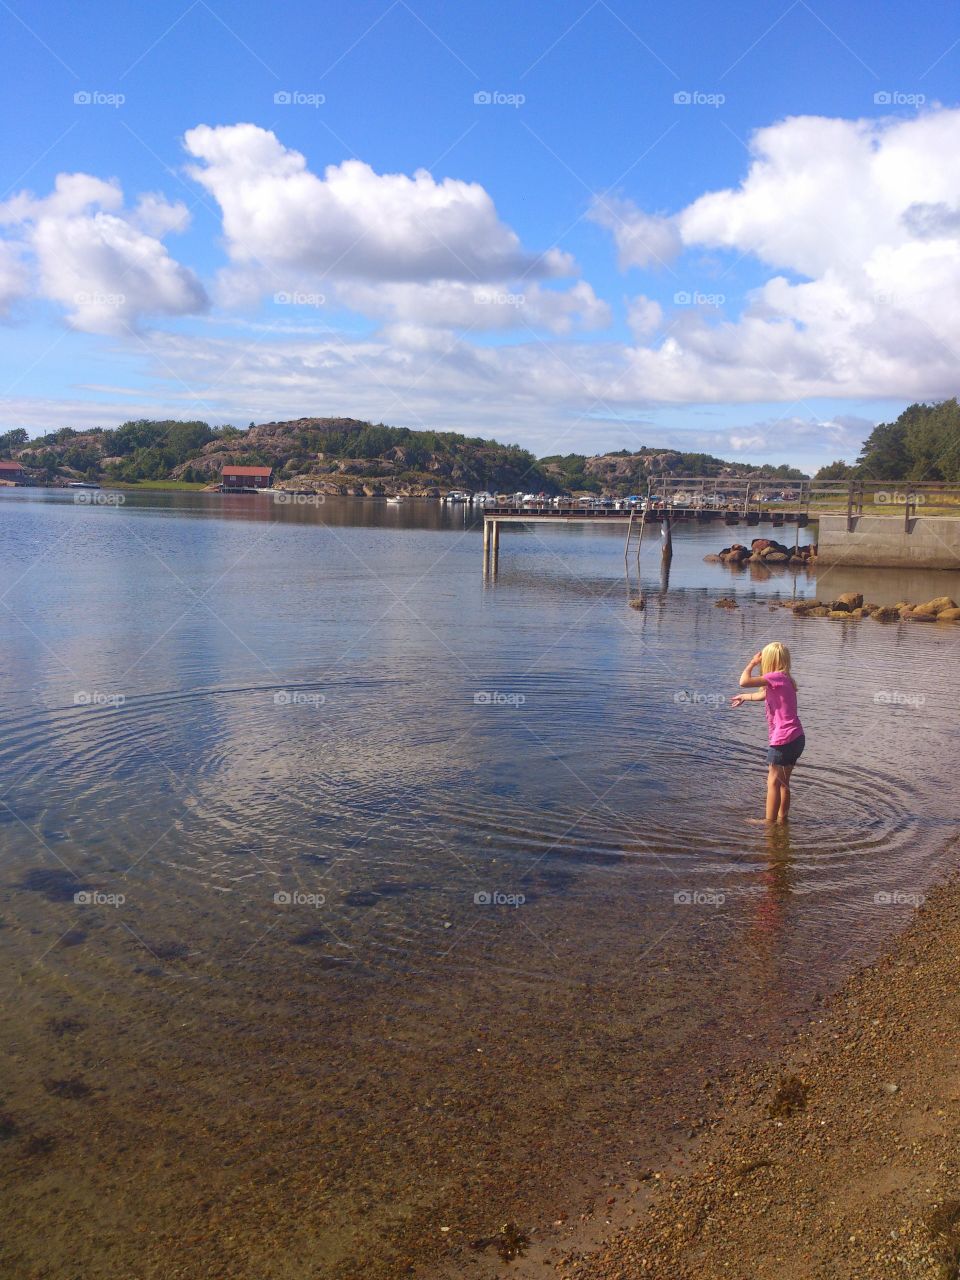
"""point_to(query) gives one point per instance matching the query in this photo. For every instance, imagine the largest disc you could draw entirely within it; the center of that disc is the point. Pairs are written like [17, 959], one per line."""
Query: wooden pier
[696, 499]
[880, 522]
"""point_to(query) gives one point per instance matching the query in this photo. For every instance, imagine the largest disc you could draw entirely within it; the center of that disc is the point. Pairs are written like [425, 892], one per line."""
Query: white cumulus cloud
[642, 239]
[351, 222]
[108, 268]
[858, 222]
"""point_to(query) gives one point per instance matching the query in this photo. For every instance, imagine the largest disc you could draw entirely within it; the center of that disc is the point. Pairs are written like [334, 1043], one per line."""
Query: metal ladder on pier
[640, 528]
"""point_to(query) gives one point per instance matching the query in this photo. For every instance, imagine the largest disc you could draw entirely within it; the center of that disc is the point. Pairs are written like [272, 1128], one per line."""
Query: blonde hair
[775, 657]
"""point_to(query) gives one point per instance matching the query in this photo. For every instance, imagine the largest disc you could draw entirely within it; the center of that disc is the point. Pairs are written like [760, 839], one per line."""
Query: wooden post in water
[495, 546]
[643, 521]
[486, 542]
[666, 535]
[626, 545]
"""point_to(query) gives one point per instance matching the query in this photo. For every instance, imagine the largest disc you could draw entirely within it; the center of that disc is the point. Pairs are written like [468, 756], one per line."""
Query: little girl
[777, 687]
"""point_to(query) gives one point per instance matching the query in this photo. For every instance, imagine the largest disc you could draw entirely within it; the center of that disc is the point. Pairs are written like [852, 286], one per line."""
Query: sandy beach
[841, 1158]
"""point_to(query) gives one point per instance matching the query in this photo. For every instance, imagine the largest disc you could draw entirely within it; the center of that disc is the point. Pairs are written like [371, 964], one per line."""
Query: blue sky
[575, 288]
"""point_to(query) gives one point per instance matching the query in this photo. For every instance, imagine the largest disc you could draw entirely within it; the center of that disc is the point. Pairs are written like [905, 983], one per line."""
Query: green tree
[11, 440]
[884, 455]
[835, 471]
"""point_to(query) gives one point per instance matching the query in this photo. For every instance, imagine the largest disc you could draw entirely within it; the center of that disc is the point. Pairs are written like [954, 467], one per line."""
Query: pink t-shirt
[781, 701]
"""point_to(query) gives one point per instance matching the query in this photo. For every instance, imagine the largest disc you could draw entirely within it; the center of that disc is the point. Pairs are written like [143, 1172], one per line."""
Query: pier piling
[666, 535]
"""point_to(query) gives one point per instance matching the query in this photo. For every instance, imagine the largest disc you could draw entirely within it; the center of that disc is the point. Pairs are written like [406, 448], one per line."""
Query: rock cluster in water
[851, 605]
[765, 551]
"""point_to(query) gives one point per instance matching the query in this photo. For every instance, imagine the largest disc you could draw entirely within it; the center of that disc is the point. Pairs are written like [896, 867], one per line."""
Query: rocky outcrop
[933, 608]
[847, 603]
[765, 551]
[850, 607]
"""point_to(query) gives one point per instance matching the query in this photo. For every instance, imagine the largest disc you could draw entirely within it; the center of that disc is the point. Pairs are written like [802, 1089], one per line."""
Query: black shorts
[789, 753]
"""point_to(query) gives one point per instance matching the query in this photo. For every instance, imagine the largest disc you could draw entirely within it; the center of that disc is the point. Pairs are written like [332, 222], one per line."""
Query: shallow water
[439, 897]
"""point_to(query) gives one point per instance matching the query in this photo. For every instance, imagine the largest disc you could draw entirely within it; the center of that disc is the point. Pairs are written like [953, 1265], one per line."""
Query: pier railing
[881, 497]
[766, 494]
[748, 499]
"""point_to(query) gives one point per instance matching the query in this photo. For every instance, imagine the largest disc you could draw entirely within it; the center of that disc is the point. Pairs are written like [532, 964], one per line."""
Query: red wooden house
[245, 478]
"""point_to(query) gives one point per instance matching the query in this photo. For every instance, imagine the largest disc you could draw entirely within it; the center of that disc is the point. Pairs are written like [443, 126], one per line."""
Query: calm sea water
[348, 897]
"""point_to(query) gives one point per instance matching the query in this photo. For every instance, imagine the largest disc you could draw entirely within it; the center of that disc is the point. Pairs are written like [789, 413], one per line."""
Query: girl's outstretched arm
[747, 679]
[759, 696]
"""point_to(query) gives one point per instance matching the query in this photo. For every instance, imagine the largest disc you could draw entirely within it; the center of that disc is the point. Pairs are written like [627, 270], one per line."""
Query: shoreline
[837, 1159]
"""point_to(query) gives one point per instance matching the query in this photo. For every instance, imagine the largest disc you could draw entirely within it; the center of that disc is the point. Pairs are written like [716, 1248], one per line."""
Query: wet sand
[840, 1158]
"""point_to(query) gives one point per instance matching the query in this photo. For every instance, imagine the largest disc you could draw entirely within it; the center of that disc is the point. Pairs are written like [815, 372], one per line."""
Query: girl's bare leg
[773, 793]
[785, 771]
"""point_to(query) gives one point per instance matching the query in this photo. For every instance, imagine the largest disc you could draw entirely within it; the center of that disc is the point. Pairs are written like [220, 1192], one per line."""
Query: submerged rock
[849, 600]
[941, 604]
[803, 606]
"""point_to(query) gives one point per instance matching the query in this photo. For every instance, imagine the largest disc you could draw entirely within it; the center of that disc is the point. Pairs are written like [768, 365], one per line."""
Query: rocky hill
[623, 473]
[342, 455]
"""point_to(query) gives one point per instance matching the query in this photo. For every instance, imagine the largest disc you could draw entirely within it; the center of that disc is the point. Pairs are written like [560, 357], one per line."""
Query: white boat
[395, 499]
[457, 495]
[82, 484]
